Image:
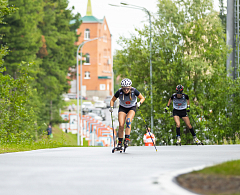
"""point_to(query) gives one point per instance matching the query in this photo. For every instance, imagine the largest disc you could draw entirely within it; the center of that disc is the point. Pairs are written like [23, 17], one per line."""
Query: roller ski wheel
[179, 144]
[197, 141]
[118, 148]
[126, 142]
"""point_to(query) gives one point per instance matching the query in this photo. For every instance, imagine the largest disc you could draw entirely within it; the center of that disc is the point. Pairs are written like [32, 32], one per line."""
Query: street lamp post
[80, 46]
[150, 49]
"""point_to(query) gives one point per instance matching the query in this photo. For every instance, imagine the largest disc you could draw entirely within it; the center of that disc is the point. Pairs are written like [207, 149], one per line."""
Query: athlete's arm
[142, 99]
[112, 101]
[169, 102]
[188, 102]
[116, 95]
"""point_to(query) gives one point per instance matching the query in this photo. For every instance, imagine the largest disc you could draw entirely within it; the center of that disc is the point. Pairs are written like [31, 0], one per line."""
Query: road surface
[95, 170]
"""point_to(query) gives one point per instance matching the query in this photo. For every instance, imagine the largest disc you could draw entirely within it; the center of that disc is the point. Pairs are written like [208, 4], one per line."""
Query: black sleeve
[172, 97]
[187, 98]
[116, 94]
[136, 92]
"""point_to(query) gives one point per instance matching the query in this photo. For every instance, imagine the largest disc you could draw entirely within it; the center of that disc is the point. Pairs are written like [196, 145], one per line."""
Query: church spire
[89, 9]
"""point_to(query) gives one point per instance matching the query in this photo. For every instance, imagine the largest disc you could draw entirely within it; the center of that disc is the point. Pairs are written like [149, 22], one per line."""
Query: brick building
[97, 65]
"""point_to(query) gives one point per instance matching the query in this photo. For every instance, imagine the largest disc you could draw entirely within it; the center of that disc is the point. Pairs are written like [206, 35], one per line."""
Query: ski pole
[196, 124]
[147, 128]
[113, 131]
[193, 120]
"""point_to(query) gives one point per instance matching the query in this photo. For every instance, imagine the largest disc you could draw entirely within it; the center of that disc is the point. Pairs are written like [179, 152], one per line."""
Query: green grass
[60, 139]
[230, 168]
[66, 138]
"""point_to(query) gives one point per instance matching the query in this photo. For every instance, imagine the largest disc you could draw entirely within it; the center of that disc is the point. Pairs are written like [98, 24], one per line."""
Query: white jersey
[125, 100]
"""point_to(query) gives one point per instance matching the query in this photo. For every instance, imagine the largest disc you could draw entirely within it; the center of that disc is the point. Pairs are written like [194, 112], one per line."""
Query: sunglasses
[126, 88]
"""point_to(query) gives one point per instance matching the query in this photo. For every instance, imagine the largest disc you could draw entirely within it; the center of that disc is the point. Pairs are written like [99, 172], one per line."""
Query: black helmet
[179, 89]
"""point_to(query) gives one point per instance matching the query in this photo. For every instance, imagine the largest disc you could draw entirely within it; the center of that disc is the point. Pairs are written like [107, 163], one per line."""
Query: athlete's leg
[129, 119]
[121, 120]
[177, 121]
[187, 122]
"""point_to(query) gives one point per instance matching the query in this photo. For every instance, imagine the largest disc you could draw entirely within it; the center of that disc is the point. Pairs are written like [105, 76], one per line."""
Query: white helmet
[126, 82]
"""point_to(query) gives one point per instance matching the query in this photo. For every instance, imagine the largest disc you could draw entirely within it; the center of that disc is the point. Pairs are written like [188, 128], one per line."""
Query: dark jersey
[125, 98]
[180, 103]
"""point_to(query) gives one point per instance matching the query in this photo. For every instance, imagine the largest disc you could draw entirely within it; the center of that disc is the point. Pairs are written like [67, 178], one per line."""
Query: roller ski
[118, 148]
[178, 143]
[197, 141]
[126, 142]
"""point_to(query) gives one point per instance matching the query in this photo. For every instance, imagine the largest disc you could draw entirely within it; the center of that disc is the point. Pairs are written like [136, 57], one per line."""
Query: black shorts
[180, 113]
[126, 110]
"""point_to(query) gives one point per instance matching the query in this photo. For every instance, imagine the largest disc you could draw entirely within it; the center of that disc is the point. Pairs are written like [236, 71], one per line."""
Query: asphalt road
[95, 170]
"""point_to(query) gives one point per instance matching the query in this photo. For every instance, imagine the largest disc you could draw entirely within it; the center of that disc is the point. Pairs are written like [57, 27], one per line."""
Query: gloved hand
[167, 108]
[138, 104]
[188, 108]
[111, 109]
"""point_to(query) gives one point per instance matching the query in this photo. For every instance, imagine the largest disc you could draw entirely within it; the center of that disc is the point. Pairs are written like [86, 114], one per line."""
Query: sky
[121, 20]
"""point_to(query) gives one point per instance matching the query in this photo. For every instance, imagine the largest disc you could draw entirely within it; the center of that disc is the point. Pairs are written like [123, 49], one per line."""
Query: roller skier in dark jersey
[181, 105]
[128, 102]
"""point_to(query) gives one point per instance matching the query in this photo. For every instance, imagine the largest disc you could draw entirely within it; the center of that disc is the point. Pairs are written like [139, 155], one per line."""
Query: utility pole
[230, 38]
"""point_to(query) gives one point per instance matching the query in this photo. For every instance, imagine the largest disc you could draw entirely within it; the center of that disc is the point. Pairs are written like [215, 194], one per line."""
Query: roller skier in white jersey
[128, 102]
[181, 105]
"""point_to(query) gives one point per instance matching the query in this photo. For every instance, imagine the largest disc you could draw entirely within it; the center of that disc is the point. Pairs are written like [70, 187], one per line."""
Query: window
[102, 86]
[87, 59]
[87, 75]
[87, 34]
[105, 27]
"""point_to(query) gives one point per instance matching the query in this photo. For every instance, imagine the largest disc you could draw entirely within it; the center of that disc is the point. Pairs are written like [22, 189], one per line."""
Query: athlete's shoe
[119, 146]
[197, 141]
[126, 142]
[178, 139]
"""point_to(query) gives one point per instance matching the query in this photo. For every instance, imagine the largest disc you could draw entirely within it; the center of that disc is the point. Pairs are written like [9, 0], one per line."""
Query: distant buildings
[97, 67]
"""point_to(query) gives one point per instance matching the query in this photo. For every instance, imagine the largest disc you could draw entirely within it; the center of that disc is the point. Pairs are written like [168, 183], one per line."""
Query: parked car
[100, 104]
[107, 102]
[74, 96]
[87, 106]
[95, 116]
[99, 112]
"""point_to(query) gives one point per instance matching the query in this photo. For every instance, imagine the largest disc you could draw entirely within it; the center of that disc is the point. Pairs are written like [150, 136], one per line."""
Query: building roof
[89, 8]
[91, 19]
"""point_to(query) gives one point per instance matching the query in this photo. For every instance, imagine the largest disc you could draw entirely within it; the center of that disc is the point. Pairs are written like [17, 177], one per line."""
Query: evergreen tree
[21, 35]
[17, 119]
[57, 54]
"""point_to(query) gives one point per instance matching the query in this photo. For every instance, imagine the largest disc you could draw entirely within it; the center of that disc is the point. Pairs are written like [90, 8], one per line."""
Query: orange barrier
[96, 133]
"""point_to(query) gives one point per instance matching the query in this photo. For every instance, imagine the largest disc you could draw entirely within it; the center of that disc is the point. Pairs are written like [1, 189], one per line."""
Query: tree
[187, 48]
[21, 35]
[57, 54]
[16, 117]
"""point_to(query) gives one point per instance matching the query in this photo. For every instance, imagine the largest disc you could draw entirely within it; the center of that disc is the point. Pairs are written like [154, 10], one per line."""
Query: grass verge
[60, 139]
[230, 168]
[221, 179]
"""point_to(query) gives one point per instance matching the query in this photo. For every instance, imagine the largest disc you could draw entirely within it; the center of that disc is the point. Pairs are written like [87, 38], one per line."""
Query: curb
[169, 185]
